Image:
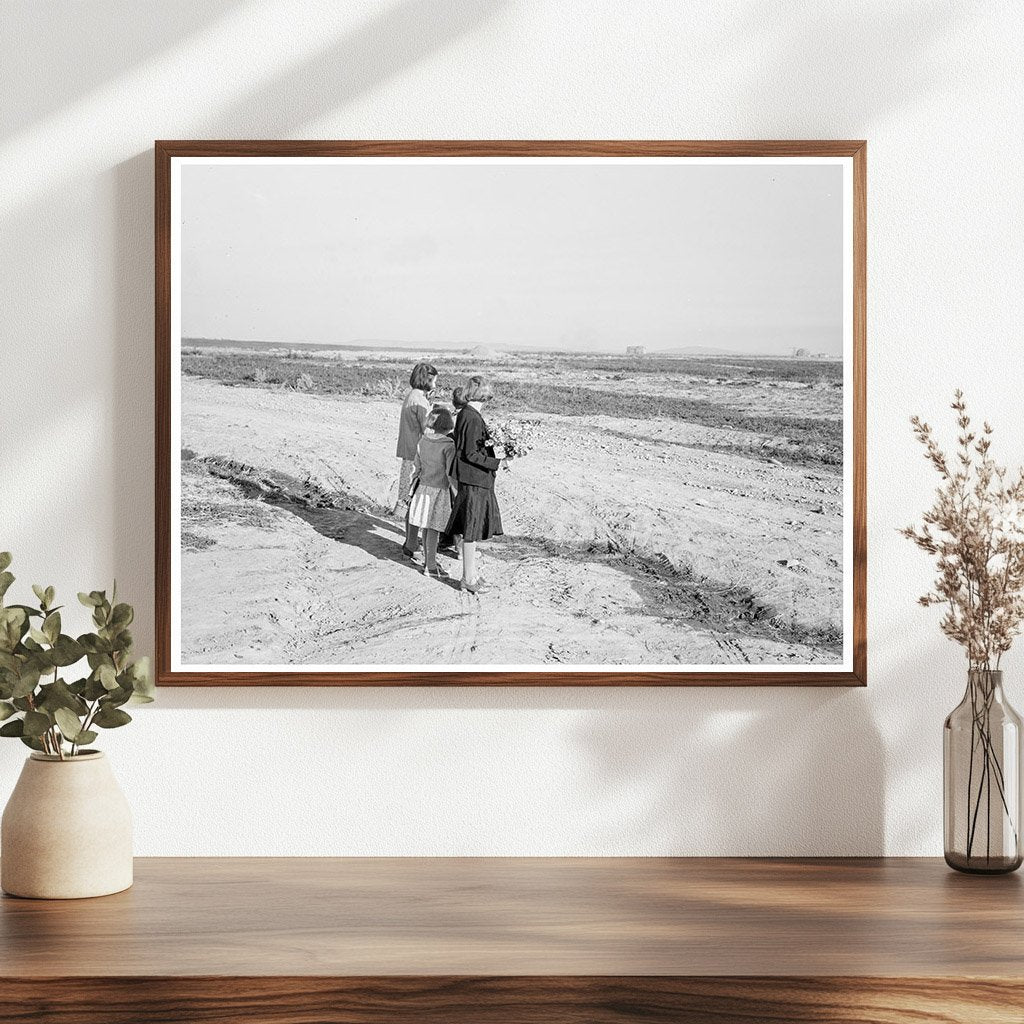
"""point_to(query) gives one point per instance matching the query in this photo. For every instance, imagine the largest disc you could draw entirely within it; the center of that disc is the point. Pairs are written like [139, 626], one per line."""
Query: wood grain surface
[571, 940]
[166, 150]
[505, 916]
[511, 1000]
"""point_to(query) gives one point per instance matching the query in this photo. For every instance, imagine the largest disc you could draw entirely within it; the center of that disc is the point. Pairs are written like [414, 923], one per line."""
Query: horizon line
[500, 349]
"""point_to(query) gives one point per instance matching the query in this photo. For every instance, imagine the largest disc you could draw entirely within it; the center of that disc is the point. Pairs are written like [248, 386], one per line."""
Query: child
[475, 515]
[446, 543]
[411, 424]
[434, 480]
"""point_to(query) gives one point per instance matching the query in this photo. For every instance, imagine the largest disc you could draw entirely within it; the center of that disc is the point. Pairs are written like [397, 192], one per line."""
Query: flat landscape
[677, 510]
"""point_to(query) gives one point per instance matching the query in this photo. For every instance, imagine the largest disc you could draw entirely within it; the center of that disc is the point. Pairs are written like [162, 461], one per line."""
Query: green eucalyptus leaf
[13, 626]
[36, 723]
[51, 626]
[107, 676]
[6, 710]
[142, 680]
[66, 651]
[31, 741]
[32, 654]
[16, 727]
[22, 703]
[94, 689]
[98, 647]
[86, 736]
[68, 722]
[89, 600]
[97, 661]
[27, 682]
[9, 663]
[6, 579]
[122, 616]
[59, 695]
[5, 559]
[38, 635]
[142, 676]
[16, 614]
[115, 698]
[40, 593]
[28, 610]
[35, 659]
[109, 717]
[140, 669]
[50, 595]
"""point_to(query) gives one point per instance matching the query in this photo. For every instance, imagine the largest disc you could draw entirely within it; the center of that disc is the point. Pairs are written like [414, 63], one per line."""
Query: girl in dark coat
[475, 514]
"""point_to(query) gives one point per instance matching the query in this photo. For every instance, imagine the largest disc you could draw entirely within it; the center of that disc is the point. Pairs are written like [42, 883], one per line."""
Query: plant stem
[982, 698]
[58, 739]
[988, 811]
[970, 768]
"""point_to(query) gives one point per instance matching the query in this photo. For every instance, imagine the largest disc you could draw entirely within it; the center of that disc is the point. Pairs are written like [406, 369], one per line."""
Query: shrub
[384, 387]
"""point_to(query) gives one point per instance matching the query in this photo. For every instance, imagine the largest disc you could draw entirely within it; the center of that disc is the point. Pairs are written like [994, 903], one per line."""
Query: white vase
[66, 831]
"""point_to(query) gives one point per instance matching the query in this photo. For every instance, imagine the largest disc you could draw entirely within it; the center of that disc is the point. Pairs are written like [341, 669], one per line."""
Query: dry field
[675, 512]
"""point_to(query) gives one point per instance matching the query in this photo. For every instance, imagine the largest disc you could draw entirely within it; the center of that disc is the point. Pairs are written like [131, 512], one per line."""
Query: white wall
[936, 88]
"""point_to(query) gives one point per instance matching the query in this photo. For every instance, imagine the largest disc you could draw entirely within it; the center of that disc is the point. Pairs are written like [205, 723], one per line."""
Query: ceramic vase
[66, 831]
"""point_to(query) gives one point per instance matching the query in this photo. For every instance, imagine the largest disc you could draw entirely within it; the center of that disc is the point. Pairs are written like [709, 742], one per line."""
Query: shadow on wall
[48, 58]
[395, 39]
[686, 772]
[132, 411]
[739, 771]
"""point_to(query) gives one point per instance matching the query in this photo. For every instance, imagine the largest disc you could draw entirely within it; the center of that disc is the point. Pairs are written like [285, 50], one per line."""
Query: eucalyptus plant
[37, 704]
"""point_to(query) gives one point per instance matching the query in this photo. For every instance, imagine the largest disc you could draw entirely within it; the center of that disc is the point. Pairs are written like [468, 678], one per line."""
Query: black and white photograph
[539, 415]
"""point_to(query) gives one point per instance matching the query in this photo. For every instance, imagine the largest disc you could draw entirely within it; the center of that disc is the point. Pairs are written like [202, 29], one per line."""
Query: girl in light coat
[434, 485]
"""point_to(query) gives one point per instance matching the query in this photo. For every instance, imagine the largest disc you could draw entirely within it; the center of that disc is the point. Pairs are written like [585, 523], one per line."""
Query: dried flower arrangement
[975, 528]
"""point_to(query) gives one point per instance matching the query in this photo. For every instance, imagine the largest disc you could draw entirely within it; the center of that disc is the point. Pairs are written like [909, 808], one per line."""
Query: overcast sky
[518, 255]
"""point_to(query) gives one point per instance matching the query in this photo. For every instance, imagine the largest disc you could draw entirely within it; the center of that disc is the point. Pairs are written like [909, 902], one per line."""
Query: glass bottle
[981, 774]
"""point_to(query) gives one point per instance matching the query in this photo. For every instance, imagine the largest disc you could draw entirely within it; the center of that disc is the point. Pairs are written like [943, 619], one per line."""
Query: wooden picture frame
[849, 671]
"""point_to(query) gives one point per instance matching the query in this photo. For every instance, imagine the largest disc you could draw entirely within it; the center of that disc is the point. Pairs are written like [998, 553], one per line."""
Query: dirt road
[629, 543]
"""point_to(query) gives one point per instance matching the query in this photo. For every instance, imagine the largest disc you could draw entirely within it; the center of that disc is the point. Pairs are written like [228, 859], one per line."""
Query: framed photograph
[510, 413]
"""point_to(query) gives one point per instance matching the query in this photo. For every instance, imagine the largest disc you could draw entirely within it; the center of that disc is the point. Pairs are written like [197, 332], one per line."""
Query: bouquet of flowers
[512, 439]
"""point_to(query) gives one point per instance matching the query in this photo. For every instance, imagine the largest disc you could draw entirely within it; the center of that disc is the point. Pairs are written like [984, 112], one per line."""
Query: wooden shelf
[505, 940]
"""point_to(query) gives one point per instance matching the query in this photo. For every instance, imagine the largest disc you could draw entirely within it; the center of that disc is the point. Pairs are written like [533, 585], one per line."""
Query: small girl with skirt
[476, 515]
[434, 483]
